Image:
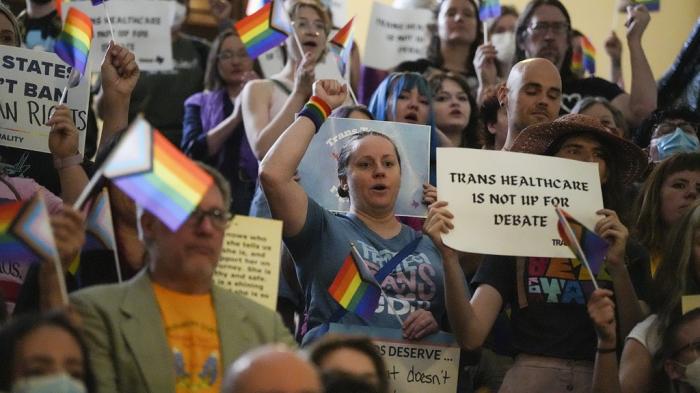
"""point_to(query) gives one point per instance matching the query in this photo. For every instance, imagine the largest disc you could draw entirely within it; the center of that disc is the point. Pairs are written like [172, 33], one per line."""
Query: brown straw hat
[539, 139]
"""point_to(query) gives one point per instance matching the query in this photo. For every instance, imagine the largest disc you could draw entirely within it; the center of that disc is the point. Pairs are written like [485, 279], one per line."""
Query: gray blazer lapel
[144, 334]
[235, 337]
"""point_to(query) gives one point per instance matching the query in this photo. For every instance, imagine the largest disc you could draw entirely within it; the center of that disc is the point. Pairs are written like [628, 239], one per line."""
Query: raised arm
[471, 320]
[642, 99]
[601, 309]
[262, 127]
[63, 144]
[287, 199]
[119, 74]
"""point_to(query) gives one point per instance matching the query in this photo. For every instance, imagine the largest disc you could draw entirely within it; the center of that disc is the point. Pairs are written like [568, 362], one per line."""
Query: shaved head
[532, 95]
[271, 369]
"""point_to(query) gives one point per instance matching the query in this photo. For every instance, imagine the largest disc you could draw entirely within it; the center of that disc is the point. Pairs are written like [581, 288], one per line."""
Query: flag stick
[63, 95]
[296, 39]
[486, 33]
[572, 236]
[94, 180]
[352, 93]
[117, 265]
[61, 280]
[109, 21]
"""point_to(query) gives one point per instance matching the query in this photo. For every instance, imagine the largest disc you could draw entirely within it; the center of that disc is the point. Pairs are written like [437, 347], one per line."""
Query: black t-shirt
[576, 89]
[552, 319]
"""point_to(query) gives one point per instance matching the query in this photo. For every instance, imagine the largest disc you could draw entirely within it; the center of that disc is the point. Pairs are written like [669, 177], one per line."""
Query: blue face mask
[677, 141]
[56, 383]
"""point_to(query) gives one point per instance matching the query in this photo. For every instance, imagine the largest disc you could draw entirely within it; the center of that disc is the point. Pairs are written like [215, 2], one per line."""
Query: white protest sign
[396, 35]
[250, 259]
[31, 83]
[143, 27]
[429, 365]
[318, 168]
[503, 202]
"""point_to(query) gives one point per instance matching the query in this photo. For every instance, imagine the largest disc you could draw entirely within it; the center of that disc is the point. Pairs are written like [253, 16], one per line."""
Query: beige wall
[662, 40]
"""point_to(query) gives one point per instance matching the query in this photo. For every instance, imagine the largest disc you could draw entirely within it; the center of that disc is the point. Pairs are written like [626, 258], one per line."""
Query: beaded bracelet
[317, 111]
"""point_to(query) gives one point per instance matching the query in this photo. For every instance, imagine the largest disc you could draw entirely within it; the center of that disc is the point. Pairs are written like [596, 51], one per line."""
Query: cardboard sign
[319, 167]
[429, 365]
[31, 83]
[503, 202]
[143, 27]
[396, 35]
[250, 259]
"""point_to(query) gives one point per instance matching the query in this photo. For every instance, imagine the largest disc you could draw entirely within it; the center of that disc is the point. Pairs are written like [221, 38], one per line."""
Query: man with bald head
[532, 95]
[272, 368]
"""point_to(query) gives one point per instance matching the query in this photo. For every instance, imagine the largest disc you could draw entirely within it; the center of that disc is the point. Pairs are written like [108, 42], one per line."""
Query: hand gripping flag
[355, 288]
[588, 247]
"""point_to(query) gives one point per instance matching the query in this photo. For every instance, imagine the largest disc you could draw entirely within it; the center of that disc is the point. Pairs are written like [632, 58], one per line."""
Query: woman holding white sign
[552, 333]
[406, 266]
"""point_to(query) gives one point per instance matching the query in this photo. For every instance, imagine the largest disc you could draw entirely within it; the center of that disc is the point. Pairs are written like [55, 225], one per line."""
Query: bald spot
[271, 371]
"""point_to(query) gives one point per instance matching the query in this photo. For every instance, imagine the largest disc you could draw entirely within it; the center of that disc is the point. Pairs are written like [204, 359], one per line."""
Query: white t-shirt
[645, 333]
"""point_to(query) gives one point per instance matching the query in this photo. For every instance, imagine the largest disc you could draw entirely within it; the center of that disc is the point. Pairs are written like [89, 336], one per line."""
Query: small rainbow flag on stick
[341, 44]
[154, 173]
[265, 29]
[489, 9]
[73, 44]
[99, 230]
[354, 287]
[588, 247]
[584, 58]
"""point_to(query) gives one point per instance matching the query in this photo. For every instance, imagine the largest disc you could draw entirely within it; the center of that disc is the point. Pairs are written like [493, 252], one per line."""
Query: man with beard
[544, 30]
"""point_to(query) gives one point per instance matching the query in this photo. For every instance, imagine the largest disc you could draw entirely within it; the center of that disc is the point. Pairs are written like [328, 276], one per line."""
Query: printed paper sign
[503, 202]
[429, 365]
[141, 26]
[31, 83]
[250, 259]
[396, 35]
[690, 302]
[319, 167]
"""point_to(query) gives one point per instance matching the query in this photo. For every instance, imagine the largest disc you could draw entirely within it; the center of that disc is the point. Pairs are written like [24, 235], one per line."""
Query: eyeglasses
[668, 126]
[316, 26]
[230, 55]
[218, 218]
[540, 28]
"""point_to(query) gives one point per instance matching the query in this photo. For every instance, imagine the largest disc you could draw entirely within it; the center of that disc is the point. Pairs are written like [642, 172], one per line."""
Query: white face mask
[505, 46]
[55, 383]
[180, 14]
[692, 374]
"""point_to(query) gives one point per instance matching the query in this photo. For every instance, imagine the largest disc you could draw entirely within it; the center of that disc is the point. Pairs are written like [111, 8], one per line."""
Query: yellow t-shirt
[190, 326]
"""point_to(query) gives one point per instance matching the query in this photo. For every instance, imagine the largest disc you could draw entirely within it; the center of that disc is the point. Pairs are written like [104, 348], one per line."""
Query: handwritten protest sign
[318, 168]
[141, 26]
[31, 83]
[250, 260]
[690, 302]
[396, 35]
[503, 202]
[431, 364]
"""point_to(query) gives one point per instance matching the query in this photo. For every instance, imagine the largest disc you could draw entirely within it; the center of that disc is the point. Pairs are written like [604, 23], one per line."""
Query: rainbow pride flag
[489, 9]
[341, 44]
[354, 287]
[593, 246]
[584, 59]
[25, 231]
[97, 2]
[156, 175]
[99, 229]
[73, 44]
[265, 29]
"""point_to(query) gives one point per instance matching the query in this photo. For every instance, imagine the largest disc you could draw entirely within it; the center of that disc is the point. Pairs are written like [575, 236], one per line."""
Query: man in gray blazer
[170, 326]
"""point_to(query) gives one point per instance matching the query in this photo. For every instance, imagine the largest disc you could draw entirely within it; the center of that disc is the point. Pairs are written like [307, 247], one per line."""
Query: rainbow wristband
[316, 110]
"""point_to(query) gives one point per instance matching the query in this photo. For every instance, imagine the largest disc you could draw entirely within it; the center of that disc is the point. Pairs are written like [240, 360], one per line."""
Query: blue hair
[390, 89]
